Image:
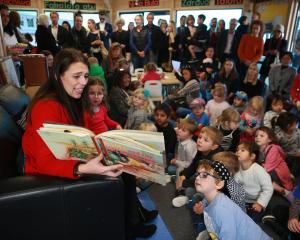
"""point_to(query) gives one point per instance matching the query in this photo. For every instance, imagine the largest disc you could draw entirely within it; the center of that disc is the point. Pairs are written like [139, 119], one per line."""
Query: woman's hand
[95, 166]
[294, 225]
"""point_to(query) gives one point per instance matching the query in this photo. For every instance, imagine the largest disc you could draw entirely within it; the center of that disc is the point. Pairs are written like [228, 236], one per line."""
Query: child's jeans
[171, 170]
[197, 219]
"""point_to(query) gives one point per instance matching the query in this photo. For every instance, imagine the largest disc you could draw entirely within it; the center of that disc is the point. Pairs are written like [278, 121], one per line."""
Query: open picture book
[141, 153]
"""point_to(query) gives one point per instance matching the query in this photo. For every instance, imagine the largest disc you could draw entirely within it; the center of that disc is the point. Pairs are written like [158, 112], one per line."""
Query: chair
[45, 207]
[155, 89]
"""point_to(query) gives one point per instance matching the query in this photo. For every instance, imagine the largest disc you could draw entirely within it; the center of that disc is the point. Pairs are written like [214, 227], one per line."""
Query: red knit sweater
[38, 157]
[251, 48]
[151, 75]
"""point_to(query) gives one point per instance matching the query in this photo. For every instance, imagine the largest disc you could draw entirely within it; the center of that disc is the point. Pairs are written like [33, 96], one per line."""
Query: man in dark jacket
[155, 35]
[59, 33]
[105, 30]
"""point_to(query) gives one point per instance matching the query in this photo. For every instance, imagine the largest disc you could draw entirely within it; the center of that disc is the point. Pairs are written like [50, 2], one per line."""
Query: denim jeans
[139, 62]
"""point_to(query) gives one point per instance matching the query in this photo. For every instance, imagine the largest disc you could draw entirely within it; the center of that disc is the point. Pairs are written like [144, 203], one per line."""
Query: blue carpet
[161, 232]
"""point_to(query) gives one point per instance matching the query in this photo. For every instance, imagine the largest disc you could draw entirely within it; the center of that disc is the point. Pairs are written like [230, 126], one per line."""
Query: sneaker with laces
[180, 201]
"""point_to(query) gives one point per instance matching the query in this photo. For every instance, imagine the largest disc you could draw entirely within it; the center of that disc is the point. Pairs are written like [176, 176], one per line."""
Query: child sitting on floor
[240, 101]
[275, 108]
[223, 219]
[186, 149]
[255, 180]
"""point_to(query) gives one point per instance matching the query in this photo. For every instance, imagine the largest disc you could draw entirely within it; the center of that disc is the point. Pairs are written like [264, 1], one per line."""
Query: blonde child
[228, 123]
[251, 118]
[95, 106]
[186, 149]
[150, 73]
[215, 106]
[255, 180]
[274, 160]
[276, 107]
[140, 108]
[223, 218]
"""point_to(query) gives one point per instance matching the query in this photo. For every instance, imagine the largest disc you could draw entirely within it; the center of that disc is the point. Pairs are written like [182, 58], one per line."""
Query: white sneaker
[138, 190]
[203, 235]
[180, 201]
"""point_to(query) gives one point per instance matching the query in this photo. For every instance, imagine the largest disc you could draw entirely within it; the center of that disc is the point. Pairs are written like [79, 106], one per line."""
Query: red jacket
[100, 121]
[38, 157]
[151, 75]
[295, 89]
[251, 48]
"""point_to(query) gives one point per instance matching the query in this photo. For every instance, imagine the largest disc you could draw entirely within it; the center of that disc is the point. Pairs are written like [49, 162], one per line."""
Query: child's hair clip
[146, 93]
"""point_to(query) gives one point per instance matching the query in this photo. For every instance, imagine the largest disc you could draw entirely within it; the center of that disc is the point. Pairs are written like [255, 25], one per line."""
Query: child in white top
[276, 107]
[186, 149]
[255, 180]
[217, 105]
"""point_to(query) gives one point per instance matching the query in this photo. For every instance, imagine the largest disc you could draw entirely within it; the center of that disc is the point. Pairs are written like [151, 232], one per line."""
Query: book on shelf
[141, 153]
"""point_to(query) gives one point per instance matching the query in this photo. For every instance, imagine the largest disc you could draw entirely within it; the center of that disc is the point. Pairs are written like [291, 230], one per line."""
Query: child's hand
[179, 182]
[198, 208]
[173, 161]
[118, 127]
[257, 207]
[294, 225]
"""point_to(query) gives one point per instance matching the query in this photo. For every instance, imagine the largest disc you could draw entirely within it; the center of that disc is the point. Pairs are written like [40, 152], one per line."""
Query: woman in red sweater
[251, 47]
[59, 100]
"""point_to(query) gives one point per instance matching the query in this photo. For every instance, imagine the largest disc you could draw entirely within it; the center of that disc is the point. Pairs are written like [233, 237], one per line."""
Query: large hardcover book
[141, 153]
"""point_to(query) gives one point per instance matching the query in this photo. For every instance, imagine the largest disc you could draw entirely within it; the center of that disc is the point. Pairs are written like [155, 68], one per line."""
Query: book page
[8, 71]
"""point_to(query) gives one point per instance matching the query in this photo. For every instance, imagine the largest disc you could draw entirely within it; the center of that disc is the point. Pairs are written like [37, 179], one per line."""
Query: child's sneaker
[180, 201]
[203, 236]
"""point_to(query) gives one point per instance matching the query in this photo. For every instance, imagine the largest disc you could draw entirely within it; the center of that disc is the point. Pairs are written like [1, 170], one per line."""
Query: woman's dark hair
[252, 148]
[188, 68]
[233, 74]
[275, 98]
[242, 19]
[93, 81]
[66, 22]
[269, 132]
[118, 77]
[54, 89]
[284, 120]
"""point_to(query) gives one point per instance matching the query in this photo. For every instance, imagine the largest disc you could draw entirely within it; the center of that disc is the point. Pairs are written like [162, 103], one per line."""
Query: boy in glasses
[223, 218]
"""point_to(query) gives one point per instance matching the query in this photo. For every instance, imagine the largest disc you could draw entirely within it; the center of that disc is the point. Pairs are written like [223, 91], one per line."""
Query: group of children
[227, 161]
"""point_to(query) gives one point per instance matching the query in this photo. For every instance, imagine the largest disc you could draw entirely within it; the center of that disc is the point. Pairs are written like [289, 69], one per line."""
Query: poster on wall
[228, 2]
[68, 5]
[16, 2]
[192, 3]
[143, 3]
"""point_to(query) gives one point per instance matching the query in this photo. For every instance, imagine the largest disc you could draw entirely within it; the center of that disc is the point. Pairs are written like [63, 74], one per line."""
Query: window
[28, 20]
[129, 17]
[296, 42]
[225, 14]
[63, 16]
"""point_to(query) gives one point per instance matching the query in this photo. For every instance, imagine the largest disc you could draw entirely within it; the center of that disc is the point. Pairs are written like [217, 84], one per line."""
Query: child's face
[277, 106]
[198, 110]
[253, 111]
[242, 153]
[238, 102]
[209, 53]
[204, 143]
[95, 95]
[205, 183]
[183, 134]
[262, 138]
[201, 75]
[126, 81]
[138, 100]
[233, 125]
[209, 70]
[161, 118]
[217, 98]
[228, 66]
[186, 74]
[50, 60]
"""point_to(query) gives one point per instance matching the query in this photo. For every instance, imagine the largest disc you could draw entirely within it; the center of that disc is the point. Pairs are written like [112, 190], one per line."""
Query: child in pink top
[150, 73]
[274, 160]
[99, 121]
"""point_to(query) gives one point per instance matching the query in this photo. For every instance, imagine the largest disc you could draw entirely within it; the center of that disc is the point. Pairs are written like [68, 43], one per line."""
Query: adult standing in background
[44, 37]
[140, 42]
[59, 33]
[225, 41]
[15, 21]
[155, 35]
[105, 29]
[182, 34]
[121, 36]
[10, 35]
[240, 31]
[274, 48]
[78, 33]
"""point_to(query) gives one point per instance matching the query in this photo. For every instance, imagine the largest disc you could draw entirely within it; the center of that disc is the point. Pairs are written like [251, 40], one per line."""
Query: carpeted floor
[177, 220]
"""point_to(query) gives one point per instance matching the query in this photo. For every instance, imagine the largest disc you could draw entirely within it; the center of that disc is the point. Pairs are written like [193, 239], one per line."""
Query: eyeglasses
[205, 175]
[93, 94]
